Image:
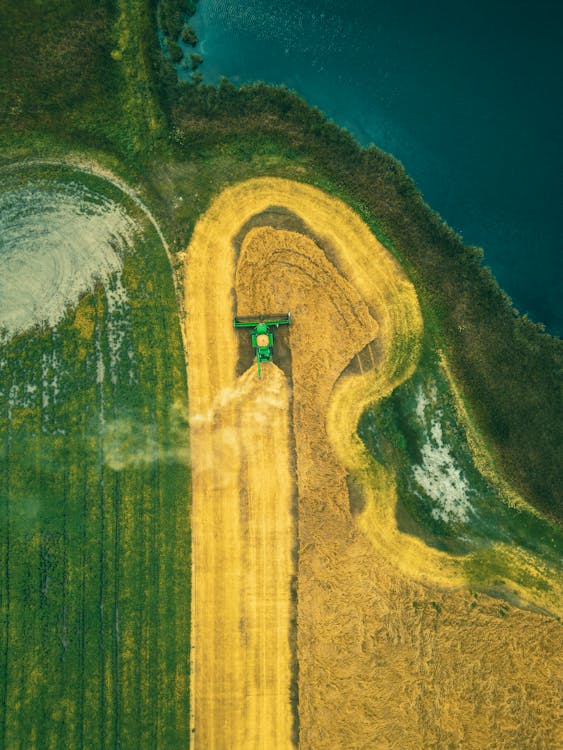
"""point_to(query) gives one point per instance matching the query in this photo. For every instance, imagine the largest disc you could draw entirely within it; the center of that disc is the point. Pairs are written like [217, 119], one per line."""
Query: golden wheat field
[381, 647]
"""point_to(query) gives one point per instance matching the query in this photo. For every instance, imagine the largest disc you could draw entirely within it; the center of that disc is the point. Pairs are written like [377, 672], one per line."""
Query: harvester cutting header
[261, 335]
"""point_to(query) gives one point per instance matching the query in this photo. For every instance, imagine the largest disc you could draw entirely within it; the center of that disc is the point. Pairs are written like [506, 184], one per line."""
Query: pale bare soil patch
[384, 661]
[57, 240]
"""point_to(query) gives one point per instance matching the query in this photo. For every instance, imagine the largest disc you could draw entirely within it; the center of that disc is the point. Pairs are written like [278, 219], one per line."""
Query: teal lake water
[466, 94]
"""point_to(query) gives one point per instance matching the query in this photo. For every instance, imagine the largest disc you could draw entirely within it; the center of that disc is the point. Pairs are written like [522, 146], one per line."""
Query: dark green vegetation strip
[95, 529]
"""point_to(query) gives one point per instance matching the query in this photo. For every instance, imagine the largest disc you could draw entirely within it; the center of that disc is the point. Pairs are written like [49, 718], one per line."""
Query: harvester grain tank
[261, 336]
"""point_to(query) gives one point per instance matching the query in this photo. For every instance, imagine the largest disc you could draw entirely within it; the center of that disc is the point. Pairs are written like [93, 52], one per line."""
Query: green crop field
[95, 539]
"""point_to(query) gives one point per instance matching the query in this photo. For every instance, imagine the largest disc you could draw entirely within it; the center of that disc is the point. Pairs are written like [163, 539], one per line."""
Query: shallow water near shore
[464, 94]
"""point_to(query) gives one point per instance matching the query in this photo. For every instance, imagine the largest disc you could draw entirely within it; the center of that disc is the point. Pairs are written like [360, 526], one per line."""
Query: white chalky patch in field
[56, 242]
[438, 476]
[421, 403]
[117, 324]
[100, 367]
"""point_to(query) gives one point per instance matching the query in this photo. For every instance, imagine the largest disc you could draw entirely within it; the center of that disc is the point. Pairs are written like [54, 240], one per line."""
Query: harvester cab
[261, 336]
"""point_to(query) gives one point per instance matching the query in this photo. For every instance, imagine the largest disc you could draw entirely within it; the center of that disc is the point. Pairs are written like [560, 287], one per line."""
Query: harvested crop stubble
[384, 661]
[243, 529]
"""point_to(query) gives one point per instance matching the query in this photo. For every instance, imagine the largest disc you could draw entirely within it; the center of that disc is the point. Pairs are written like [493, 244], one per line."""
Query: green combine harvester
[261, 335]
